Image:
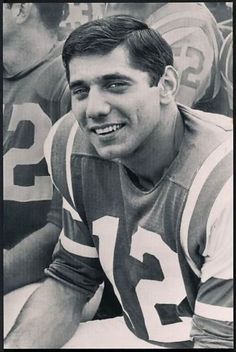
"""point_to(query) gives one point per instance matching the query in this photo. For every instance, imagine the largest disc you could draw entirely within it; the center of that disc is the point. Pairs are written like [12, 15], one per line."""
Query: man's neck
[24, 51]
[152, 159]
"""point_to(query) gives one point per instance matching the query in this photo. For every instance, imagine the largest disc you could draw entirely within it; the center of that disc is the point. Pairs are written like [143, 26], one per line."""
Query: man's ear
[169, 84]
[21, 11]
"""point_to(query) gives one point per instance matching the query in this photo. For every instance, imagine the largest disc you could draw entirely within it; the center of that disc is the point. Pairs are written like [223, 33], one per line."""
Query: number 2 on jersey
[189, 75]
[18, 157]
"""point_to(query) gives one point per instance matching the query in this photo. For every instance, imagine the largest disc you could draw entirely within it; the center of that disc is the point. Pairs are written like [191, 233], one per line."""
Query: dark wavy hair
[148, 51]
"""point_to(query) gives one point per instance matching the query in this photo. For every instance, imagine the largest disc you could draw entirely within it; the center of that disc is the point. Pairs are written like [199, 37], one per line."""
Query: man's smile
[108, 129]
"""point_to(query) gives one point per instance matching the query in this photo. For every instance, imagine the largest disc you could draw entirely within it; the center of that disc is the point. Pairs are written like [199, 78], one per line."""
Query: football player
[35, 95]
[147, 198]
[195, 39]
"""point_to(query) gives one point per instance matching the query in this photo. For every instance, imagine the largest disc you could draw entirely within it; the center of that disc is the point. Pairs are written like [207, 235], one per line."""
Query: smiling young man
[147, 200]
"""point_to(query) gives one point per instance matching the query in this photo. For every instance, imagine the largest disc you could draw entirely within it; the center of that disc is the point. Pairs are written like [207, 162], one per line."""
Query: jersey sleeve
[213, 314]
[75, 259]
[55, 214]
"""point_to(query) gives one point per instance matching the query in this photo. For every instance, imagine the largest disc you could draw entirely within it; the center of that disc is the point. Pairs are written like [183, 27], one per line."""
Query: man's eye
[80, 93]
[117, 86]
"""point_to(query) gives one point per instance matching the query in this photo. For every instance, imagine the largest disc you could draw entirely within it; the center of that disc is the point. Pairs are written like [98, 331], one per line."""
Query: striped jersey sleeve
[207, 239]
[75, 258]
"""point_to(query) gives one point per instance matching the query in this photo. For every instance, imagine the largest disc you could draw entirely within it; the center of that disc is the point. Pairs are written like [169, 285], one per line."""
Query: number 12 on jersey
[170, 290]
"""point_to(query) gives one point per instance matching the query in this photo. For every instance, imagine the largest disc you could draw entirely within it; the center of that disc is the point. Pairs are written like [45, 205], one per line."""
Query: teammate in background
[221, 10]
[147, 197]
[226, 67]
[195, 39]
[35, 95]
[79, 13]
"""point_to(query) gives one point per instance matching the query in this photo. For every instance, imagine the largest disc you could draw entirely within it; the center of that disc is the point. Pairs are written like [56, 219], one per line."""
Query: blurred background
[76, 13]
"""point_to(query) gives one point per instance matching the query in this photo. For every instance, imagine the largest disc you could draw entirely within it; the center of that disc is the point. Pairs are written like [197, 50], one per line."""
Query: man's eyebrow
[77, 83]
[108, 77]
[115, 76]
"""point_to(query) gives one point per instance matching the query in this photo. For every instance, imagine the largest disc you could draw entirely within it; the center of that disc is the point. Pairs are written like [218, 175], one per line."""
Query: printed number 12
[170, 290]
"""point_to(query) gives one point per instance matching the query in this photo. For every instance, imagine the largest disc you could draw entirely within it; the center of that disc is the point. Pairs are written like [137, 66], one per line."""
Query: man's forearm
[48, 319]
[25, 263]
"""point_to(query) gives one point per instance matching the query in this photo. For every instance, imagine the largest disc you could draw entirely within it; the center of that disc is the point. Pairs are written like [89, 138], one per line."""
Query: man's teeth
[108, 129]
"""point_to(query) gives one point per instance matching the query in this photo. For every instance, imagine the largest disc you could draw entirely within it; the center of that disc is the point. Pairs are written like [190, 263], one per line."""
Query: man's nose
[97, 105]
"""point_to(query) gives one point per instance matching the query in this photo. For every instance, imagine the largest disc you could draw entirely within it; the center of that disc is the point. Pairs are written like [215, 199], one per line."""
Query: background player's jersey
[33, 100]
[80, 13]
[166, 251]
[192, 32]
[226, 67]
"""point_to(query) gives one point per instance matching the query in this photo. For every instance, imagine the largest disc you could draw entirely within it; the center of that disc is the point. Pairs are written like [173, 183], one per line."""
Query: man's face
[114, 104]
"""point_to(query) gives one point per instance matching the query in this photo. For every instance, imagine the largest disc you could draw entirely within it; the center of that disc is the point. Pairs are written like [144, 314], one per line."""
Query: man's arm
[25, 263]
[213, 313]
[49, 318]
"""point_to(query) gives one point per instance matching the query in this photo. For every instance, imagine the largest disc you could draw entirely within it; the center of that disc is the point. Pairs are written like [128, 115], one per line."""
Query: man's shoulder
[52, 78]
[204, 169]
[43, 83]
[207, 141]
[66, 149]
[218, 123]
[66, 139]
[53, 63]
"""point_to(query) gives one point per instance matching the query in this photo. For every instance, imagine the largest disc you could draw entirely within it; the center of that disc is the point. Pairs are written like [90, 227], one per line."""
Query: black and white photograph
[117, 175]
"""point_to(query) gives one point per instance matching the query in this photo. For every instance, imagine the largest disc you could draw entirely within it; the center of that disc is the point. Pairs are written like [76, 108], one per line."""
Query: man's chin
[113, 155]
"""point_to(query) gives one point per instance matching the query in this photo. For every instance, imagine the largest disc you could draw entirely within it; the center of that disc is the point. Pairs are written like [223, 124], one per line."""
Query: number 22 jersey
[33, 100]
[166, 251]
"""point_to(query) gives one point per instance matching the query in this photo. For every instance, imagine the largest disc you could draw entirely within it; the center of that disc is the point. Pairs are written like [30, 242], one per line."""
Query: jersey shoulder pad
[225, 123]
[55, 150]
[206, 136]
[64, 141]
